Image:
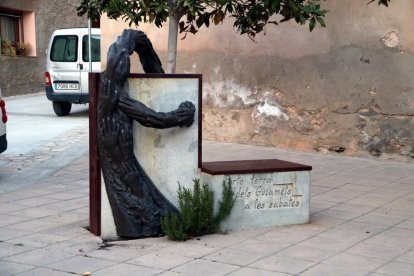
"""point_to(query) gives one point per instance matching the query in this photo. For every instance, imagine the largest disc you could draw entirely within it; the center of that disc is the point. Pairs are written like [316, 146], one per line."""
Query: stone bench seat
[252, 166]
[268, 192]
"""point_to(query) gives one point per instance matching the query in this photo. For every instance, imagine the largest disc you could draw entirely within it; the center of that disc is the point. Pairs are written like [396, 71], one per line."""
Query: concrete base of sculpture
[264, 199]
[108, 228]
[169, 156]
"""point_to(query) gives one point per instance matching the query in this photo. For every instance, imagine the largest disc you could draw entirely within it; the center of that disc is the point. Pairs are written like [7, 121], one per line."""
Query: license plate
[67, 86]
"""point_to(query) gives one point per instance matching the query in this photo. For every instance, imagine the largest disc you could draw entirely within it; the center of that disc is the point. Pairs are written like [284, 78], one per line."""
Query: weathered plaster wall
[347, 88]
[22, 75]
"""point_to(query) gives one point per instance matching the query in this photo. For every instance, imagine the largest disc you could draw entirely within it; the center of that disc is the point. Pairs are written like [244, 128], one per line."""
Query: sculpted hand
[118, 64]
[129, 174]
[126, 142]
[108, 130]
[106, 99]
[185, 114]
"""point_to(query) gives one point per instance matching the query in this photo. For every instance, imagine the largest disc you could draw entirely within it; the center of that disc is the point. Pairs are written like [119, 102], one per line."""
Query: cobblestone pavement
[39, 142]
[362, 223]
[17, 164]
[18, 170]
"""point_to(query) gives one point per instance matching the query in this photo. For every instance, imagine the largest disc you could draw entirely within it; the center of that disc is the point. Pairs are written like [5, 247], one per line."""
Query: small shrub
[196, 216]
[22, 48]
[7, 48]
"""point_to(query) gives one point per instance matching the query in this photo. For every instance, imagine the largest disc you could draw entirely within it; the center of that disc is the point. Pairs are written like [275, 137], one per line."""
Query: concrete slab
[334, 243]
[264, 199]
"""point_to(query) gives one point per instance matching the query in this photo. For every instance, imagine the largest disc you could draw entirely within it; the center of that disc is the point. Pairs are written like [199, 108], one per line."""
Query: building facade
[345, 89]
[31, 22]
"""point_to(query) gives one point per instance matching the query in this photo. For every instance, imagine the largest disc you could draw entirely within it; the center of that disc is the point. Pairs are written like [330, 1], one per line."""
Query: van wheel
[62, 108]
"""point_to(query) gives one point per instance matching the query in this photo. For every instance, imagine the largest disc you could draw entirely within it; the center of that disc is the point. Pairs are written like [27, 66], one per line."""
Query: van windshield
[95, 48]
[64, 48]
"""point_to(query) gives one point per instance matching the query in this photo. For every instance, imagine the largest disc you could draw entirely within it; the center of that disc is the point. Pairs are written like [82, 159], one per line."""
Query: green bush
[7, 48]
[196, 216]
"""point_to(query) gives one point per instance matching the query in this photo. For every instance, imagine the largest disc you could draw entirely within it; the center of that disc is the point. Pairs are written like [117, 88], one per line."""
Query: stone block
[169, 156]
[268, 192]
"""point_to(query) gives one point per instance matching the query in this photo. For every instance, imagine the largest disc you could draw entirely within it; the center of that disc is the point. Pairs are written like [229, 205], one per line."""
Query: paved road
[39, 142]
[362, 210]
[362, 223]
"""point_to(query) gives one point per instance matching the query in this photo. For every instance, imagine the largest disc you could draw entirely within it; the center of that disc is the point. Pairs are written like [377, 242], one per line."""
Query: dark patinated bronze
[137, 205]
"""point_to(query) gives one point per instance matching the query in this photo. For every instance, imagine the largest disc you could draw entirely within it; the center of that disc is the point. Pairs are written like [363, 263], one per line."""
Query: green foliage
[22, 48]
[251, 16]
[196, 215]
[7, 48]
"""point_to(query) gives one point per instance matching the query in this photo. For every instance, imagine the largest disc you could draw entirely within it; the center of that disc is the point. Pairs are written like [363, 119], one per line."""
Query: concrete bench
[268, 192]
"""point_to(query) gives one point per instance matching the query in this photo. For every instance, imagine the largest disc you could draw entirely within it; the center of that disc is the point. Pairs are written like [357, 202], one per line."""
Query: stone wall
[23, 75]
[347, 88]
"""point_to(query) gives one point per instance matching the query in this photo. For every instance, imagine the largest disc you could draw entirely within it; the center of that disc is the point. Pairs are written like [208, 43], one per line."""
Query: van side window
[64, 48]
[95, 48]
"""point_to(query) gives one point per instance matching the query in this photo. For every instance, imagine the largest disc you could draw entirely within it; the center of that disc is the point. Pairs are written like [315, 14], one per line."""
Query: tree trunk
[172, 38]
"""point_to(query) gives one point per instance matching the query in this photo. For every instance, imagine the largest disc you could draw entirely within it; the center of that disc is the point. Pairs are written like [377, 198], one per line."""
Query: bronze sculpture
[137, 205]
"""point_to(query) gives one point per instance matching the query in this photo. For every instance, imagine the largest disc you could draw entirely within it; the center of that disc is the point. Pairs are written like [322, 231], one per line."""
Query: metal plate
[66, 86]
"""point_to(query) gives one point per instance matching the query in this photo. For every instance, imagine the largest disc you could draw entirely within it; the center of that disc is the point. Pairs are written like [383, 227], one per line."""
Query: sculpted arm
[183, 116]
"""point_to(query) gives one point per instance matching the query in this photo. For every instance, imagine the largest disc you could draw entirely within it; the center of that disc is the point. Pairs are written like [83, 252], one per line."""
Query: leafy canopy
[251, 16]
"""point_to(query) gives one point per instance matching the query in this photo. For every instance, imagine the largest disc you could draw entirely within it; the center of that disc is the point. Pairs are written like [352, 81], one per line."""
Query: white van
[67, 67]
